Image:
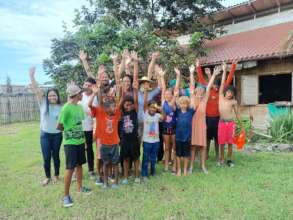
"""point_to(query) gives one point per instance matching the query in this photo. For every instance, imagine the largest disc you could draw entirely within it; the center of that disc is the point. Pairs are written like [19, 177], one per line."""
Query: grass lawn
[260, 186]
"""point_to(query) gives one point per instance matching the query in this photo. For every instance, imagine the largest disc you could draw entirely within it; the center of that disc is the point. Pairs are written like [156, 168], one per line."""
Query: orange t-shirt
[212, 109]
[106, 125]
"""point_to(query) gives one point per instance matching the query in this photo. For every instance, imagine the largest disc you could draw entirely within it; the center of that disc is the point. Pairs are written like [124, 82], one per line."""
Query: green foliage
[171, 15]
[244, 124]
[99, 31]
[281, 128]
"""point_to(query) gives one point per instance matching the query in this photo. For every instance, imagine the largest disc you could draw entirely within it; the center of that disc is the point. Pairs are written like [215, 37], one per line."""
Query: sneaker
[204, 170]
[137, 180]
[46, 182]
[104, 186]
[85, 190]
[73, 178]
[92, 175]
[145, 179]
[230, 163]
[112, 178]
[67, 201]
[99, 182]
[114, 186]
[124, 182]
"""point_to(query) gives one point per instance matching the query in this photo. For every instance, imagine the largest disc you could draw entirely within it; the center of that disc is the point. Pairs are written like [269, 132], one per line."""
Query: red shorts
[226, 132]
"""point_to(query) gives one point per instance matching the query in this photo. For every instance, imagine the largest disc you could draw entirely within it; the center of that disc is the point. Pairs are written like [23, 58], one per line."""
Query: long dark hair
[47, 100]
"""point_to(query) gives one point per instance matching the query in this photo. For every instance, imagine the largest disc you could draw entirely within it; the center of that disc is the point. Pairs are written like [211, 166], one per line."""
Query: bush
[281, 128]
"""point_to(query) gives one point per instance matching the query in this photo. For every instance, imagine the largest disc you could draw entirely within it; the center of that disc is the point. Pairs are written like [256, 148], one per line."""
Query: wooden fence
[18, 108]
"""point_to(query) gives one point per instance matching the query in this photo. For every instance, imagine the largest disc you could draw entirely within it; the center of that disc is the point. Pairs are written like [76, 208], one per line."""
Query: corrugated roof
[264, 43]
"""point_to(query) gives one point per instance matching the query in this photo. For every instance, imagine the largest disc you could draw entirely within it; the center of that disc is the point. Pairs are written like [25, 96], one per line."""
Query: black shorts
[212, 128]
[130, 149]
[110, 154]
[183, 148]
[74, 156]
[168, 131]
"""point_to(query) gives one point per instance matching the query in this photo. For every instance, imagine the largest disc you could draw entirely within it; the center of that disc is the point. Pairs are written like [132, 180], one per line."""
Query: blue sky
[26, 30]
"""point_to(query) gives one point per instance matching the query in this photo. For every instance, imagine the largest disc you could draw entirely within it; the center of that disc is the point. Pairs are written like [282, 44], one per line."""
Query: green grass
[260, 186]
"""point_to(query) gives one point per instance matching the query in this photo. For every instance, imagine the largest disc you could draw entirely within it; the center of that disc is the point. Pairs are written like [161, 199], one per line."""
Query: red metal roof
[263, 43]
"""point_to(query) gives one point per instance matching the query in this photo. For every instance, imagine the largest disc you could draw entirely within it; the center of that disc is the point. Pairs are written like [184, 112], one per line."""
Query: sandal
[55, 179]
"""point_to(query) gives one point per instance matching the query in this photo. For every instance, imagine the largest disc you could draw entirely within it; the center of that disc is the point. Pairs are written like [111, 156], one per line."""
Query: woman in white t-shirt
[51, 137]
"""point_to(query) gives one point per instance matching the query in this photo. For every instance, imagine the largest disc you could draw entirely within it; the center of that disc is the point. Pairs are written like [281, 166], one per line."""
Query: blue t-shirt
[49, 120]
[183, 124]
[170, 120]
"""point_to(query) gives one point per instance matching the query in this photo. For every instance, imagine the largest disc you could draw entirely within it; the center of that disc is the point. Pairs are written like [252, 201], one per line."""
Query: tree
[172, 15]
[100, 31]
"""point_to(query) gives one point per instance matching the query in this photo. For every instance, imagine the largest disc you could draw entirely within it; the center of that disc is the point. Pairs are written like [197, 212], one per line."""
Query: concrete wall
[266, 21]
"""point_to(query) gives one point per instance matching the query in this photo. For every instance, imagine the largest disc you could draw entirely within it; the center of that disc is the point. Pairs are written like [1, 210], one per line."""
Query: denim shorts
[110, 154]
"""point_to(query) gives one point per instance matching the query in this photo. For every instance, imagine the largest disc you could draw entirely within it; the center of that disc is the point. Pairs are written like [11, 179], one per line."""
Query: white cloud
[30, 30]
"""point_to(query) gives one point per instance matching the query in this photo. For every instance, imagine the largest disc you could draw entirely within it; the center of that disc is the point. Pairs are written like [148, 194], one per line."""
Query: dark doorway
[273, 88]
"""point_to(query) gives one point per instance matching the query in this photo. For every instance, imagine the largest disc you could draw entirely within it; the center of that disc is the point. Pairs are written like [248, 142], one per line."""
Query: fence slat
[18, 108]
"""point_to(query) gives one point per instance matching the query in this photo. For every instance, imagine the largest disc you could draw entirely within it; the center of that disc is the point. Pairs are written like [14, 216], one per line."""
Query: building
[259, 34]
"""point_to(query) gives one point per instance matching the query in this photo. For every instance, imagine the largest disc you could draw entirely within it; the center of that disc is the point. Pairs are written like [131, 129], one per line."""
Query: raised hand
[192, 69]
[82, 55]
[128, 60]
[114, 57]
[224, 66]
[156, 55]
[96, 89]
[217, 70]
[177, 71]
[134, 55]
[159, 71]
[208, 71]
[32, 71]
[125, 53]
[197, 63]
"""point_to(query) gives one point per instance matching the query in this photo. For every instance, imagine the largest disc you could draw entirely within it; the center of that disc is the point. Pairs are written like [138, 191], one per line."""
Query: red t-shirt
[106, 125]
[212, 109]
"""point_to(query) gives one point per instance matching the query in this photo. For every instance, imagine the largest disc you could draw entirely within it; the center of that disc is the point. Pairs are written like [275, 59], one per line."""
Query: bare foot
[185, 172]
[46, 182]
[178, 173]
[55, 179]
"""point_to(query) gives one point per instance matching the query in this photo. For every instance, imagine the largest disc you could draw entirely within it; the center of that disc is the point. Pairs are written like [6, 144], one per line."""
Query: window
[273, 88]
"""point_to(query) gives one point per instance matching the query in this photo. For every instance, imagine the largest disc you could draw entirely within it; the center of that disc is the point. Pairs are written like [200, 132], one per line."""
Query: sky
[26, 30]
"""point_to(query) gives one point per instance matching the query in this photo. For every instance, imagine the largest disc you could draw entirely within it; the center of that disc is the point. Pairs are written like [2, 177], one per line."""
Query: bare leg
[230, 151]
[221, 158]
[136, 168]
[208, 149]
[116, 171]
[67, 181]
[126, 168]
[105, 171]
[178, 166]
[173, 150]
[217, 149]
[203, 159]
[167, 150]
[192, 157]
[78, 171]
[185, 165]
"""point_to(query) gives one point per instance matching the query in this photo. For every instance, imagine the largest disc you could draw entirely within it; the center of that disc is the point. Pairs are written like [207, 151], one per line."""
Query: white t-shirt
[151, 127]
[88, 122]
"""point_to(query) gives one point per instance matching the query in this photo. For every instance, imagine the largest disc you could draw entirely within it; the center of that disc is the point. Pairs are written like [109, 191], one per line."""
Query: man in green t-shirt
[69, 122]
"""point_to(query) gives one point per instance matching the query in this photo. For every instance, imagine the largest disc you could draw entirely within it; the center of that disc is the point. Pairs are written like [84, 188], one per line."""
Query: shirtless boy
[227, 125]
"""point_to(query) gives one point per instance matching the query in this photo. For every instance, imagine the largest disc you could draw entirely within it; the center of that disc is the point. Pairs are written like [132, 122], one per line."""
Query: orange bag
[240, 140]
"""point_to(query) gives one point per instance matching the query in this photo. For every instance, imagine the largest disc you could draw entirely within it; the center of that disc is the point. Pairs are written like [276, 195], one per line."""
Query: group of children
[128, 115]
